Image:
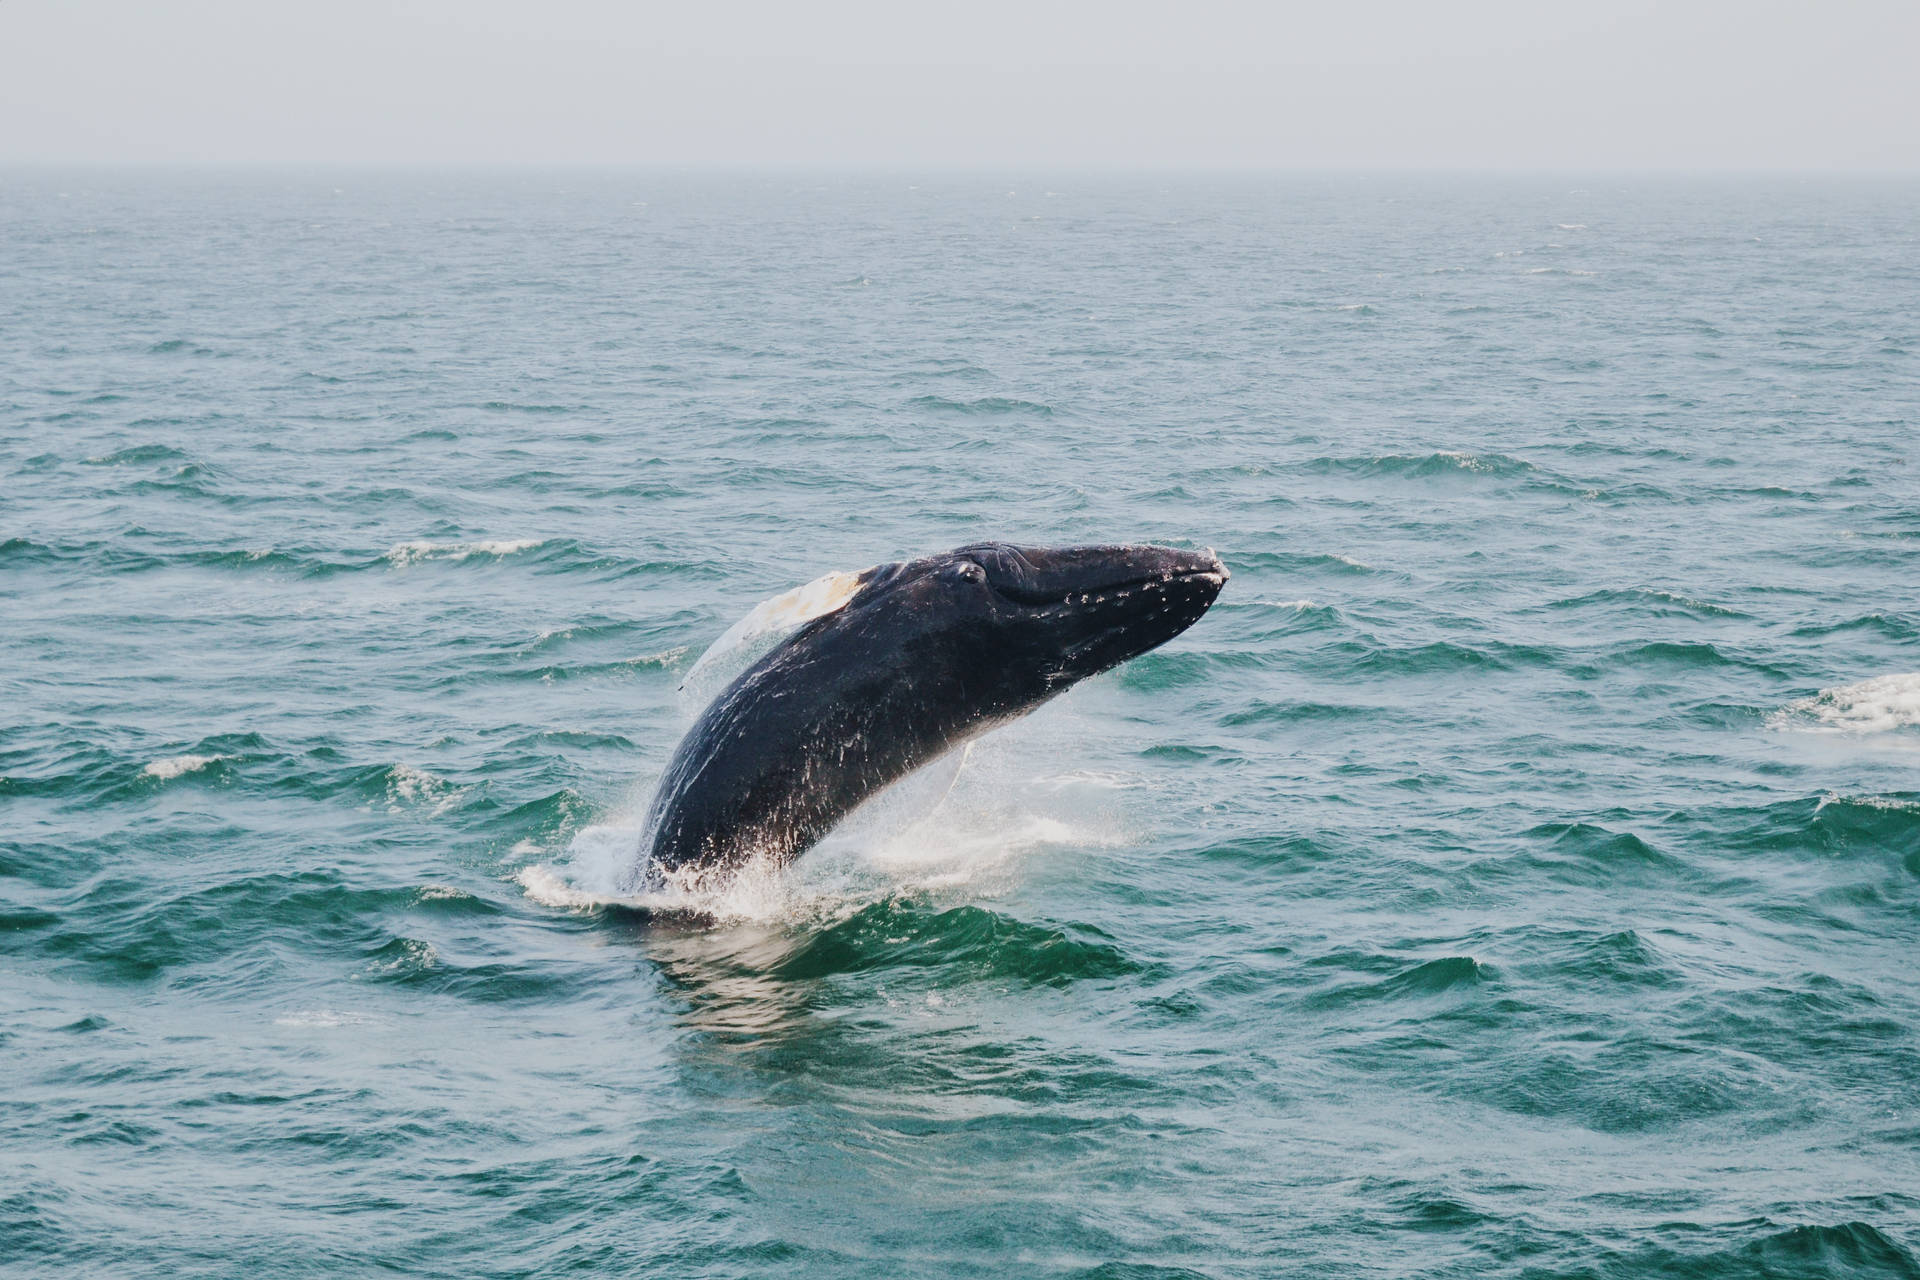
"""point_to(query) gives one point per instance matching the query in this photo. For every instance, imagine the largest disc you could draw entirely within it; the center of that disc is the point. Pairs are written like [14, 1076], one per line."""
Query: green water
[1517, 873]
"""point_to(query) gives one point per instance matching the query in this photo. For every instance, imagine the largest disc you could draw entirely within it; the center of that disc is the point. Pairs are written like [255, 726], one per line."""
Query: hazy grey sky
[1480, 84]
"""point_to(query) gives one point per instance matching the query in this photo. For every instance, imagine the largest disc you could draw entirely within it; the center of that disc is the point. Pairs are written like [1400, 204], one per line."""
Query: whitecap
[411, 956]
[402, 554]
[408, 787]
[664, 658]
[1886, 804]
[1884, 704]
[174, 766]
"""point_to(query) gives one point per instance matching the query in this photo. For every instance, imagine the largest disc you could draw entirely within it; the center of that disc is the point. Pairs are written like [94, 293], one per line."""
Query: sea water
[1516, 873]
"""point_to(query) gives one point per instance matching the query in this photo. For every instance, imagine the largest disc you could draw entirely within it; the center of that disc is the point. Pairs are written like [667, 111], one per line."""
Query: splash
[963, 826]
[769, 621]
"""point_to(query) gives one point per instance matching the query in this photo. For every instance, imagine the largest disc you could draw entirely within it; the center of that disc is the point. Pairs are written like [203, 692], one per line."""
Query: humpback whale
[903, 663]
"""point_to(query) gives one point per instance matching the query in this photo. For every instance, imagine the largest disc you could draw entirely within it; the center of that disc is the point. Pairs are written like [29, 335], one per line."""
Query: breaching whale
[903, 663]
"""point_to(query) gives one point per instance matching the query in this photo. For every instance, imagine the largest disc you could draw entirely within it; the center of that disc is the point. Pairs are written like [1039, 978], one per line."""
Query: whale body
[907, 662]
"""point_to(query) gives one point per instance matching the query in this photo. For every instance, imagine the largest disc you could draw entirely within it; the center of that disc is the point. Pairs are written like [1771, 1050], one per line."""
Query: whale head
[1028, 622]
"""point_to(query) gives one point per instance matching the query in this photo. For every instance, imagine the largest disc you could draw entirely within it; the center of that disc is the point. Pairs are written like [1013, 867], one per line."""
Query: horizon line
[895, 168]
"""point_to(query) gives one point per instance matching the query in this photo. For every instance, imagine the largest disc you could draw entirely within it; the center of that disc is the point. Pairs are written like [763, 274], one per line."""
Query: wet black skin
[926, 655]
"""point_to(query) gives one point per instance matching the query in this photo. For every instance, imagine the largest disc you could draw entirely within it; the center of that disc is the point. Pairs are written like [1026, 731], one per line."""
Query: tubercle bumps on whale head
[1038, 577]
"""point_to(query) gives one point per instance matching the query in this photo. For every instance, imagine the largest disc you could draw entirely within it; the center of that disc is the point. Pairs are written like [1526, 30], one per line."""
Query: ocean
[1515, 874]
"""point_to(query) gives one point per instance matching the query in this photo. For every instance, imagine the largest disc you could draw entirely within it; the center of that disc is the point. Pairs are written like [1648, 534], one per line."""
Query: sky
[1028, 84]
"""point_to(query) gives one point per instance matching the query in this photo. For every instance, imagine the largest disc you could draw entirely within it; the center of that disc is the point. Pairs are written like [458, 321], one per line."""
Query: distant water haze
[1386, 84]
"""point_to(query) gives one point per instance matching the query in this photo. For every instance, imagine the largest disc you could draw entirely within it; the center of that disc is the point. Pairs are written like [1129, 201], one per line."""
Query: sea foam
[962, 824]
[402, 554]
[1884, 704]
[175, 766]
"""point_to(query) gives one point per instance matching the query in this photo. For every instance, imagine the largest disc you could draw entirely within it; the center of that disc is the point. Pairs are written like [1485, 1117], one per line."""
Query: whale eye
[968, 571]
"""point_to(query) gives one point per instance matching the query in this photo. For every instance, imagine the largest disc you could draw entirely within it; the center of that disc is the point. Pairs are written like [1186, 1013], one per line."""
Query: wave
[409, 788]
[1888, 626]
[171, 767]
[27, 551]
[1424, 466]
[1261, 711]
[1299, 562]
[1828, 826]
[140, 453]
[1687, 654]
[986, 406]
[964, 943]
[543, 823]
[1447, 974]
[1624, 958]
[123, 560]
[402, 554]
[1617, 494]
[1884, 704]
[1587, 853]
[1847, 1251]
[1649, 601]
[400, 789]
[128, 929]
[1438, 656]
[1294, 617]
[552, 555]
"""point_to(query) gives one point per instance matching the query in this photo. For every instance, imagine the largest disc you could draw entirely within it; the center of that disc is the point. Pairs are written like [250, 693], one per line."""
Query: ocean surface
[1516, 874]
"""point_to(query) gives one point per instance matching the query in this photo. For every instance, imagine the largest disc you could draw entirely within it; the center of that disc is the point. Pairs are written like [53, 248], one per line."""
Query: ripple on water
[1513, 876]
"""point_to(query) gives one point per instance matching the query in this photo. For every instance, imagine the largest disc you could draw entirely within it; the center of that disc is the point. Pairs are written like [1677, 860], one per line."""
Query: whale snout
[1097, 607]
[1198, 565]
[1039, 576]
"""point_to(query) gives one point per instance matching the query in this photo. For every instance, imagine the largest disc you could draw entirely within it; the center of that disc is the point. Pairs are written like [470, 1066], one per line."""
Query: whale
[892, 668]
